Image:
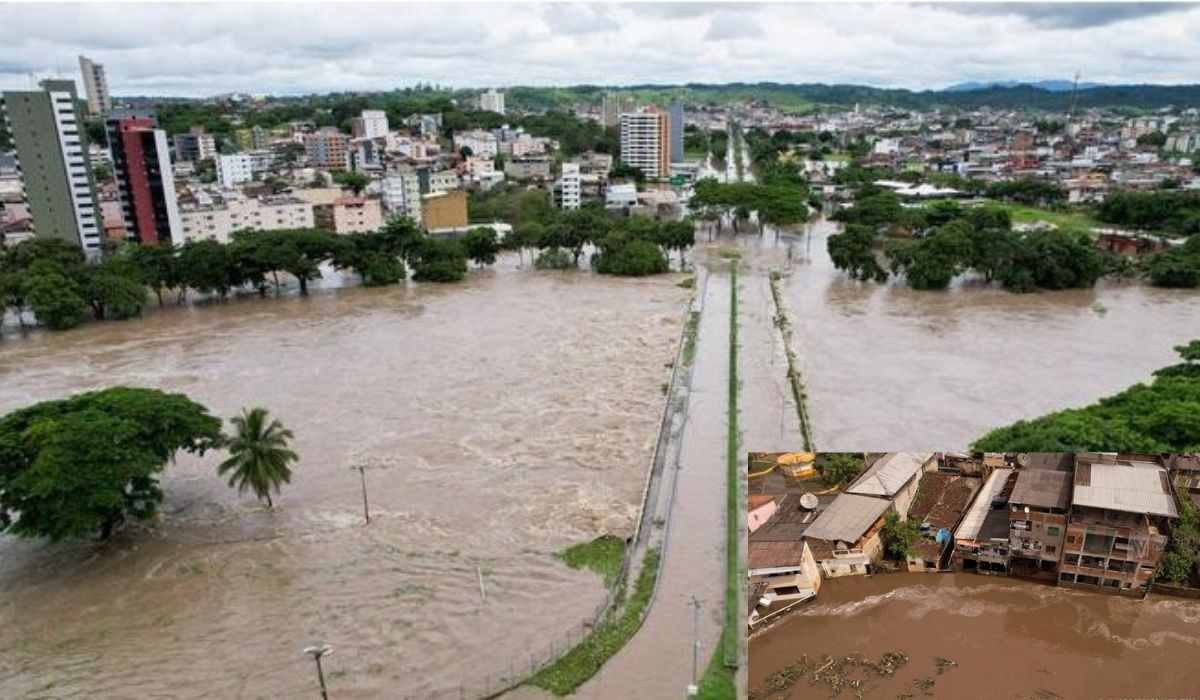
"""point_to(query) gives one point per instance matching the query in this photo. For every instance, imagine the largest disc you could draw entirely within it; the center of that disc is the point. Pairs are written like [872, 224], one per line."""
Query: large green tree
[86, 464]
[259, 456]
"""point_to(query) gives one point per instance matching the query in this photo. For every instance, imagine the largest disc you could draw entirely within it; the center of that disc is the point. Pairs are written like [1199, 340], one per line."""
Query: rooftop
[942, 499]
[764, 555]
[791, 520]
[1131, 487]
[1041, 488]
[972, 527]
[847, 518]
[889, 473]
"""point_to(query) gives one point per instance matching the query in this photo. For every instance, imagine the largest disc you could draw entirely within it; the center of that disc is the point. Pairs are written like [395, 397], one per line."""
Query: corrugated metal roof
[889, 473]
[1041, 488]
[973, 521]
[1130, 487]
[847, 518]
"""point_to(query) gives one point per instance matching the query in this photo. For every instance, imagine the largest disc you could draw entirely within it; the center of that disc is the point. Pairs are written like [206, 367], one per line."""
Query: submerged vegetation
[1162, 416]
[602, 555]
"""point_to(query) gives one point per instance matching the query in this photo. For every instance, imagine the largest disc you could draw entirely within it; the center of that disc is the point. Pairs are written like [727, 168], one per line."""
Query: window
[1072, 559]
[1053, 530]
[853, 568]
[1100, 544]
[1051, 549]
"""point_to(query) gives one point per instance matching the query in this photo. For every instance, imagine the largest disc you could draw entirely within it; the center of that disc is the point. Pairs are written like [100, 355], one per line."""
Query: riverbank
[1007, 638]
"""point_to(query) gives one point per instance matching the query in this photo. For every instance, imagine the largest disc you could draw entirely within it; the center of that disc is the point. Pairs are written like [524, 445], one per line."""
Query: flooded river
[515, 414]
[1009, 639]
[890, 368]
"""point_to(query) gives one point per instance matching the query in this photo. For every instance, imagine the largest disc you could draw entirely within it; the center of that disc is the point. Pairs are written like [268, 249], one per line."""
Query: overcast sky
[204, 49]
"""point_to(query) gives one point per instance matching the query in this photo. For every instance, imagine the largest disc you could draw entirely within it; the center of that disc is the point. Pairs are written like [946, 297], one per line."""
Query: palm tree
[258, 454]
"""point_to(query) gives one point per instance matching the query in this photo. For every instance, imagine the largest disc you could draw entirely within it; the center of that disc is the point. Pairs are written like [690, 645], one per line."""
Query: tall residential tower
[95, 85]
[145, 184]
[47, 130]
[645, 141]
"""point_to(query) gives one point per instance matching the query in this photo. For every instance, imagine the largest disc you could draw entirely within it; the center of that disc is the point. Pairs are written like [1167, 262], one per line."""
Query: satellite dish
[809, 501]
[1022, 458]
[1026, 510]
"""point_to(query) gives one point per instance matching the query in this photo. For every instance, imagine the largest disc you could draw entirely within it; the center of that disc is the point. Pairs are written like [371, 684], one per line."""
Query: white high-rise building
[570, 186]
[401, 195]
[234, 169]
[645, 141]
[95, 84]
[373, 124]
[492, 101]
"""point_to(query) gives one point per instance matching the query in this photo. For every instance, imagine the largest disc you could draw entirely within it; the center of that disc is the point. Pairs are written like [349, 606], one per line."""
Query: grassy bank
[564, 676]
[602, 555]
[793, 367]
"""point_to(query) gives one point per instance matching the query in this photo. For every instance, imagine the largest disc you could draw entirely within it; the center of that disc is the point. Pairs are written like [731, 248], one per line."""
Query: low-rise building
[981, 542]
[537, 168]
[478, 142]
[444, 210]
[401, 195]
[233, 169]
[349, 215]
[895, 476]
[845, 537]
[219, 220]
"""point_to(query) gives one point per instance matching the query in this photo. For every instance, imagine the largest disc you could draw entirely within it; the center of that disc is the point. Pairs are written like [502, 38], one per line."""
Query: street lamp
[317, 653]
[694, 688]
[360, 464]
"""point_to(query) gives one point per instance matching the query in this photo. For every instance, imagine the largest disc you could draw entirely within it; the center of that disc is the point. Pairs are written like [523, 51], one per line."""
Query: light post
[361, 463]
[694, 688]
[317, 653]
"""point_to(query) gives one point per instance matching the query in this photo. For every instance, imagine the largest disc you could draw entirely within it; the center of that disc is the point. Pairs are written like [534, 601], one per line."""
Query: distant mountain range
[1048, 85]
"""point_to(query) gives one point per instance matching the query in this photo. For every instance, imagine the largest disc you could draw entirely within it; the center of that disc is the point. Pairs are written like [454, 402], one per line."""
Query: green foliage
[113, 289]
[511, 203]
[1179, 267]
[839, 467]
[1170, 211]
[352, 180]
[259, 456]
[208, 266]
[439, 260]
[623, 255]
[55, 299]
[1163, 416]
[481, 245]
[564, 676]
[72, 467]
[853, 250]
[900, 537]
[1183, 551]
[554, 258]
[1027, 191]
[603, 555]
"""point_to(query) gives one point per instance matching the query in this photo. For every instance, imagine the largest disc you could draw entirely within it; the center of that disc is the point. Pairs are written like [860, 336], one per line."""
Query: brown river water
[890, 368]
[515, 415]
[1009, 639]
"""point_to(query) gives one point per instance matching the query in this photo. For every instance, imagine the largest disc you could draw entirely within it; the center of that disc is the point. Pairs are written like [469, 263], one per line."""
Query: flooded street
[1009, 638]
[890, 368]
[516, 414]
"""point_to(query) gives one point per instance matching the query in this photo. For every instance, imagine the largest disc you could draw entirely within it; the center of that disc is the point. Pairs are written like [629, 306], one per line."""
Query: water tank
[809, 501]
[942, 536]
[926, 526]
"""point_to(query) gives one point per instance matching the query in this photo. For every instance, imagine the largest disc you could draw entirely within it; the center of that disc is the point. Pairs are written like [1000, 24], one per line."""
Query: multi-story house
[845, 538]
[1117, 530]
[219, 220]
[328, 149]
[1037, 522]
[349, 215]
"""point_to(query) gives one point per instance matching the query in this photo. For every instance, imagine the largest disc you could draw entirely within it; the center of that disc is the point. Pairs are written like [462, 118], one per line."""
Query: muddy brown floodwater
[890, 368]
[1010, 639]
[516, 414]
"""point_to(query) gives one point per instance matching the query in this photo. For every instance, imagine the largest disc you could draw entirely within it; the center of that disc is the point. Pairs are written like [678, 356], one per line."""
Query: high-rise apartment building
[568, 193]
[194, 146]
[47, 130]
[676, 132]
[645, 141]
[145, 185]
[95, 86]
[372, 124]
[328, 149]
[492, 101]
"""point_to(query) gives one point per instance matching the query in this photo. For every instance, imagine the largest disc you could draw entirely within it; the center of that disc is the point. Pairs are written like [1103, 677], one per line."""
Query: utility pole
[317, 653]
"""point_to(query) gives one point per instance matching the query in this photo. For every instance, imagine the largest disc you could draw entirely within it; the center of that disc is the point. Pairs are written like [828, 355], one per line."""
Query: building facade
[349, 215]
[145, 183]
[95, 86]
[194, 145]
[492, 101]
[328, 149]
[568, 192]
[676, 129]
[233, 169]
[47, 130]
[219, 221]
[371, 124]
[645, 141]
[444, 210]
[401, 195]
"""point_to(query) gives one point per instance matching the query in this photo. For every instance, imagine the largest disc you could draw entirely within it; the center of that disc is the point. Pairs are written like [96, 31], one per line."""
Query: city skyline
[197, 50]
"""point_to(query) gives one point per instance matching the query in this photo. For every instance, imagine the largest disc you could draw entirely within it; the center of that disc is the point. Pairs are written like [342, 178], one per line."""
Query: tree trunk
[269, 503]
[303, 285]
[275, 274]
[158, 292]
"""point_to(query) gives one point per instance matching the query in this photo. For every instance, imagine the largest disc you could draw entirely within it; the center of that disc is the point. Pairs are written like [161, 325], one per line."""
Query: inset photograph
[952, 575]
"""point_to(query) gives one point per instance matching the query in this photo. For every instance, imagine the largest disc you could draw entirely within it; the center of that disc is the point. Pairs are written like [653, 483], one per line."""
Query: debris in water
[943, 664]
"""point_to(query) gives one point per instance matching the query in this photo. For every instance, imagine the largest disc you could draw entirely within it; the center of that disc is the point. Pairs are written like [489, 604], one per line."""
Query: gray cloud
[723, 26]
[190, 49]
[1071, 15]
